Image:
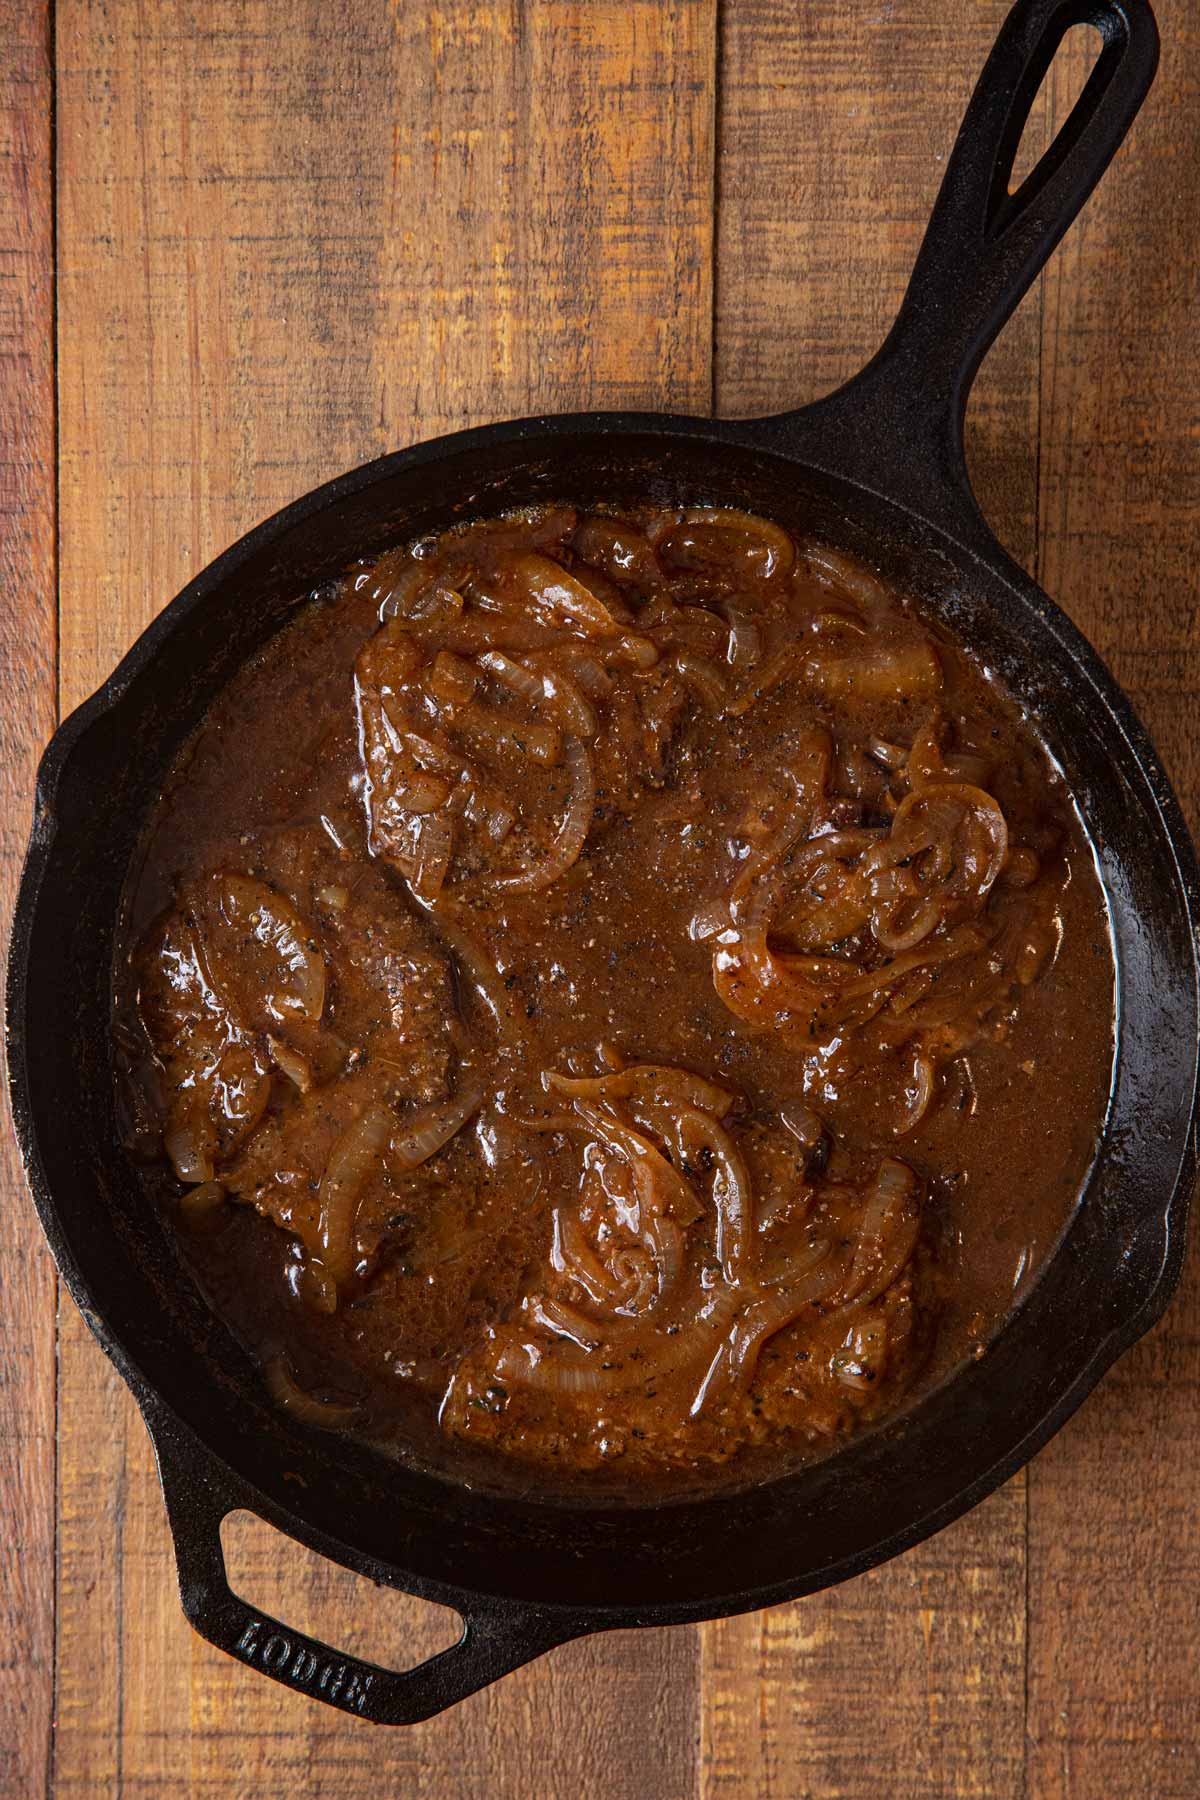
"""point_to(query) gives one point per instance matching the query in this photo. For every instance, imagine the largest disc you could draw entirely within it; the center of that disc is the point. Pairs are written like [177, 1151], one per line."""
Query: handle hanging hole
[1061, 86]
[283, 1580]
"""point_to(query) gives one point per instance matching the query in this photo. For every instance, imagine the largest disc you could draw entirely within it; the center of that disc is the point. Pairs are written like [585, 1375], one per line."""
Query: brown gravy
[616, 993]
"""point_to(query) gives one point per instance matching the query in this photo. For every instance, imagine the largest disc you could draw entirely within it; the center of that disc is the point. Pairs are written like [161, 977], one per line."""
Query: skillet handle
[199, 1493]
[984, 246]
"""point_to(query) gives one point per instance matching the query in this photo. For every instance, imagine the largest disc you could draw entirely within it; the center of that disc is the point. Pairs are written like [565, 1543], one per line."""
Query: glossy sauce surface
[614, 993]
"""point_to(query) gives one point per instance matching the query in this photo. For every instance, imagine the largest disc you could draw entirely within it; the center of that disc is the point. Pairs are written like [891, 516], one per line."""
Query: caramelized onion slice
[400, 578]
[565, 1322]
[289, 1062]
[284, 1388]
[766, 679]
[908, 671]
[546, 688]
[891, 756]
[571, 835]
[540, 522]
[513, 674]
[557, 598]
[480, 803]
[428, 755]
[572, 1255]
[568, 1370]
[419, 598]
[354, 1158]
[811, 995]
[709, 921]
[189, 1153]
[770, 551]
[433, 847]
[732, 1194]
[832, 900]
[836, 569]
[744, 644]
[421, 792]
[925, 762]
[429, 1130]
[586, 668]
[887, 1233]
[638, 652]
[497, 732]
[529, 1364]
[808, 1129]
[919, 1093]
[949, 807]
[202, 1202]
[659, 1187]
[452, 680]
[617, 548]
[572, 706]
[946, 847]
[705, 679]
[763, 1314]
[837, 993]
[646, 1081]
[479, 972]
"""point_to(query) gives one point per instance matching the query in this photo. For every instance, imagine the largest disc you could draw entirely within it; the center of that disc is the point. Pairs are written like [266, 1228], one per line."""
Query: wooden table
[247, 243]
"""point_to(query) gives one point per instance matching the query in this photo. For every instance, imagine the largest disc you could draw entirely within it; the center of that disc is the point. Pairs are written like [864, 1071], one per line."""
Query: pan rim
[760, 437]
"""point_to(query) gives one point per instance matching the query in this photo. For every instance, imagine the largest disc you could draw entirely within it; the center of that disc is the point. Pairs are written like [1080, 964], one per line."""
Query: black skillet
[878, 467]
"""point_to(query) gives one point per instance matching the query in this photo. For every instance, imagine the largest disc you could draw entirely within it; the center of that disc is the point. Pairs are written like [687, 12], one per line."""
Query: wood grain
[1114, 1547]
[290, 238]
[834, 131]
[27, 661]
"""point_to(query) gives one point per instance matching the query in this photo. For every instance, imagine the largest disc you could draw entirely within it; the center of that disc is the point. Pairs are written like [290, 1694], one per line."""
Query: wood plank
[28, 652]
[908, 1681]
[290, 239]
[1114, 1548]
[834, 129]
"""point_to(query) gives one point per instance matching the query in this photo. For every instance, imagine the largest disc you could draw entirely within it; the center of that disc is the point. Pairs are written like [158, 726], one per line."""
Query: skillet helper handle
[983, 248]
[496, 1639]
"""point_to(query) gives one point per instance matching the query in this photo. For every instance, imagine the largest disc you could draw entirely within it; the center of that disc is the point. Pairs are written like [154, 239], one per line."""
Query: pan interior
[797, 1531]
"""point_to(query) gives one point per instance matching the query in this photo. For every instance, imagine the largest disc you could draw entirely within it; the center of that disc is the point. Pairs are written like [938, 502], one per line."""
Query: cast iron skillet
[878, 467]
